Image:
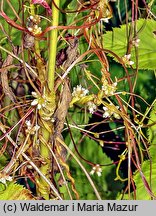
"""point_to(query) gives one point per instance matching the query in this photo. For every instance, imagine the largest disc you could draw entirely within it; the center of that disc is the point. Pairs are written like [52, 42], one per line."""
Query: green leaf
[149, 172]
[152, 152]
[152, 129]
[14, 191]
[3, 160]
[116, 41]
[105, 184]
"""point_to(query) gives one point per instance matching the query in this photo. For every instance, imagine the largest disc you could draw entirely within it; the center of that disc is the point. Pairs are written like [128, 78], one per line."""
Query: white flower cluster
[106, 20]
[126, 59]
[39, 101]
[5, 178]
[45, 103]
[31, 129]
[79, 91]
[33, 27]
[91, 107]
[135, 42]
[96, 169]
[109, 89]
[108, 113]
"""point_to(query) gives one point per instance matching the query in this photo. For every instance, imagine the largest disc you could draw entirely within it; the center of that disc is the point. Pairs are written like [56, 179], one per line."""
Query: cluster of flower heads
[109, 89]
[110, 112]
[79, 91]
[126, 59]
[30, 129]
[96, 169]
[5, 178]
[135, 42]
[32, 24]
[45, 104]
[92, 107]
[39, 101]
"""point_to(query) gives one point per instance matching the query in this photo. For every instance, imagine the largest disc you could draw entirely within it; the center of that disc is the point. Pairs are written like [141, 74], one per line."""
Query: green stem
[53, 46]
[44, 189]
[39, 64]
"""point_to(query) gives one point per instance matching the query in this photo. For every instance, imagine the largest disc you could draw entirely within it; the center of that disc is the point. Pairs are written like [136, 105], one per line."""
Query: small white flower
[108, 113]
[114, 84]
[29, 125]
[106, 20]
[34, 94]
[79, 91]
[30, 29]
[40, 29]
[91, 107]
[31, 129]
[131, 62]
[126, 59]
[39, 101]
[96, 169]
[39, 106]
[109, 89]
[53, 120]
[35, 29]
[92, 171]
[31, 17]
[9, 178]
[99, 173]
[5, 178]
[34, 102]
[127, 56]
[36, 127]
[35, 26]
[136, 42]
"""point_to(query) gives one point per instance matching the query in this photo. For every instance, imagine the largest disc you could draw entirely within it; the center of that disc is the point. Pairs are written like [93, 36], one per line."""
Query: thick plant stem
[53, 46]
[39, 64]
[43, 187]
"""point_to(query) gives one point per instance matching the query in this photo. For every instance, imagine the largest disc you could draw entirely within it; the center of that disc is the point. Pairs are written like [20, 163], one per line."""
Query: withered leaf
[59, 116]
